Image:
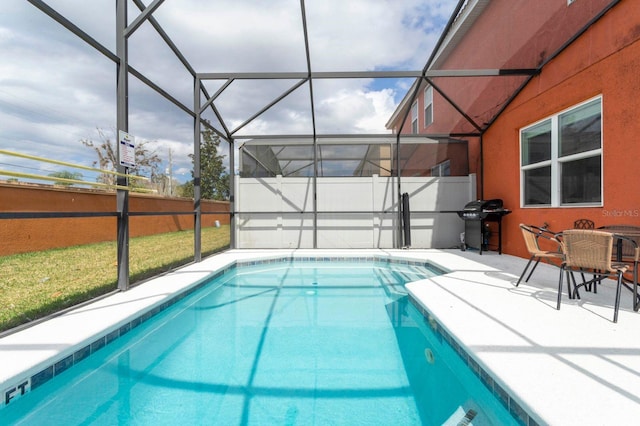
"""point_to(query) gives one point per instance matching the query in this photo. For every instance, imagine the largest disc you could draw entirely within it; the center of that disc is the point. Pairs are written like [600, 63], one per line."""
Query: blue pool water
[296, 344]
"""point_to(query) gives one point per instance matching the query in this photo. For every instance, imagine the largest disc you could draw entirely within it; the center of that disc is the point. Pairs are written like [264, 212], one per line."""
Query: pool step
[391, 282]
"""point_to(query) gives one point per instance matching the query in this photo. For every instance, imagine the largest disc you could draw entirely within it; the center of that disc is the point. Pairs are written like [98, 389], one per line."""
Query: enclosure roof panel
[514, 40]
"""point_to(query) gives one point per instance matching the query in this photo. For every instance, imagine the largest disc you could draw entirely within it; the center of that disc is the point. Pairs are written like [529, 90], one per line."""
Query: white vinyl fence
[352, 212]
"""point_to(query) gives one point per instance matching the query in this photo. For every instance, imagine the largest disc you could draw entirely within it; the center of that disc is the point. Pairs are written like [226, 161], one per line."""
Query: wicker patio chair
[591, 250]
[628, 248]
[532, 235]
[626, 241]
[584, 224]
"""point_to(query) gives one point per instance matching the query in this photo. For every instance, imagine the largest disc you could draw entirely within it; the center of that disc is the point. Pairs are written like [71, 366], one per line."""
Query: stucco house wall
[604, 61]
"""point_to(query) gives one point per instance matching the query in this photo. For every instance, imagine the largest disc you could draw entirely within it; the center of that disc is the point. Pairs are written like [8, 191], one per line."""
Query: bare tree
[147, 161]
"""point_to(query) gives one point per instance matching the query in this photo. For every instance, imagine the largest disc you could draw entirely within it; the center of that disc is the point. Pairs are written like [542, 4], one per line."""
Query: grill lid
[483, 205]
[480, 209]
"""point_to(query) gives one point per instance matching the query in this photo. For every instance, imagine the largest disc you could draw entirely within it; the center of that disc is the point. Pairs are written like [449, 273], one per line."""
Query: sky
[56, 90]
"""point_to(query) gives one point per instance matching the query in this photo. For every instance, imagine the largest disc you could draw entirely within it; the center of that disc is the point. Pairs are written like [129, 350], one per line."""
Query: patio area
[573, 366]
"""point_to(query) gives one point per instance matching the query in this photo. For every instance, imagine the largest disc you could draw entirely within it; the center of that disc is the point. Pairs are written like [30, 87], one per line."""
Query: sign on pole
[127, 150]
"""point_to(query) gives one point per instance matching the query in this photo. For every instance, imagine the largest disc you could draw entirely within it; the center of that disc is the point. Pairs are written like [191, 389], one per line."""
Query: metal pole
[232, 194]
[197, 207]
[399, 189]
[122, 196]
[406, 220]
[314, 178]
[481, 192]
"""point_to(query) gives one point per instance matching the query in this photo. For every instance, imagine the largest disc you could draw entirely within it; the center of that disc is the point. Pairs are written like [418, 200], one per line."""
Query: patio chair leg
[636, 301]
[525, 271]
[597, 279]
[617, 303]
[576, 293]
[560, 288]
[584, 280]
[532, 269]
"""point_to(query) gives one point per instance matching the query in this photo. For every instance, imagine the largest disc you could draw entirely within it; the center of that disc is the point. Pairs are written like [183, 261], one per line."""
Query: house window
[428, 106]
[561, 158]
[414, 118]
[441, 169]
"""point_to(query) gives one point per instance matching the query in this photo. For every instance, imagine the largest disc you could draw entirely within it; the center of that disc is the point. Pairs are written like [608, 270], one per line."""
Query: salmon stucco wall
[25, 235]
[603, 62]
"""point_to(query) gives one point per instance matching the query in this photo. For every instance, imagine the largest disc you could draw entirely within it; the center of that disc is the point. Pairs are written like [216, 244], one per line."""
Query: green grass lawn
[33, 285]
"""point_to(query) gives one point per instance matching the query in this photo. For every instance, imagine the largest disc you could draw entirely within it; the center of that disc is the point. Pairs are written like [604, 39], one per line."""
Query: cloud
[368, 35]
[56, 90]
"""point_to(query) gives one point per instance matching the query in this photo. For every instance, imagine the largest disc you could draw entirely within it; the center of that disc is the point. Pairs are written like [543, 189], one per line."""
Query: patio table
[625, 253]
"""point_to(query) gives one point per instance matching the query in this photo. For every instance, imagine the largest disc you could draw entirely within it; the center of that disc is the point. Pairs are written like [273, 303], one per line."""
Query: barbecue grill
[477, 215]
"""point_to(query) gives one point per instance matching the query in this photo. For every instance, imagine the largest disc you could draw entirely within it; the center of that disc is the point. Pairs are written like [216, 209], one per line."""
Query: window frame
[439, 169]
[556, 161]
[415, 129]
[428, 106]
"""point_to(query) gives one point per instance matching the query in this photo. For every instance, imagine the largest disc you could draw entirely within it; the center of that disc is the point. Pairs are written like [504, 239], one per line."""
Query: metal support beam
[215, 95]
[166, 39]
[299, 138]
[232, 195]
[480, 72]
[122, 122]
[443, 36]
[209, 104]
[323, 75]
[268, 106]
[303, 14]
[146, 13]
[399, 197]
[197, 207]
[183, 60]
[106, 52]
[73, 28]
[481, 195]
[305, 75]
[455, 106]
[160, 91]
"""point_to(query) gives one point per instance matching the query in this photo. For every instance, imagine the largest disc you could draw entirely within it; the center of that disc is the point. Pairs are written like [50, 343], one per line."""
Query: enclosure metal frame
[124, 69]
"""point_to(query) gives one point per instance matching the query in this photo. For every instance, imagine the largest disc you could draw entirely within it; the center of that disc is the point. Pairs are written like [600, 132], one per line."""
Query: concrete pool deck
[573, 366]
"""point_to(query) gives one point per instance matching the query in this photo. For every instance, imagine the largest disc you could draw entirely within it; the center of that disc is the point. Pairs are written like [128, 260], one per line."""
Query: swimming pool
[295, 343]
